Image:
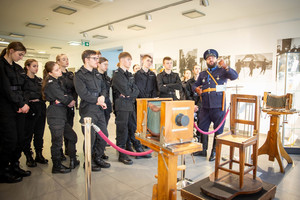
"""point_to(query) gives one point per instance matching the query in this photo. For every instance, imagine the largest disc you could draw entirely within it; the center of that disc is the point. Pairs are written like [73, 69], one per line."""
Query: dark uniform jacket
[89, 86]
[167, 84]
[214, 99]
[67, 79]
[12, 78]
[54, 90]
[33, 90]
[123, 83]
[146, 82]
[191, 94]
[107, 81]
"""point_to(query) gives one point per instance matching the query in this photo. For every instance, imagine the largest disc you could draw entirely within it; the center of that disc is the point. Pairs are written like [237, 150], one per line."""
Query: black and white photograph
[187, 60]
[250, 65]
[288, 45]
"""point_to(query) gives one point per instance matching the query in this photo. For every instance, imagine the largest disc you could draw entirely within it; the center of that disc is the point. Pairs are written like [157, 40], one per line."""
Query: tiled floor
[121, 182]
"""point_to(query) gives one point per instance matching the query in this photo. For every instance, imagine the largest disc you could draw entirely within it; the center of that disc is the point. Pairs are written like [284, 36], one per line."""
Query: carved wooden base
[194, 192]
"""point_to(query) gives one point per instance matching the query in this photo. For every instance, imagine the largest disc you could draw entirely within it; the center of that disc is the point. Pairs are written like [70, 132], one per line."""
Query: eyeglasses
[94, 58]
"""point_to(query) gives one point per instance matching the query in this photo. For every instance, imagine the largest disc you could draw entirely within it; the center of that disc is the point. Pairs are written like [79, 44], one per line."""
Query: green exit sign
[85, 43]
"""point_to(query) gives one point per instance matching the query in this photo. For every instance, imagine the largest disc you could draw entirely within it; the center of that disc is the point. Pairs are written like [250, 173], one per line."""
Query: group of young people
[23, 106]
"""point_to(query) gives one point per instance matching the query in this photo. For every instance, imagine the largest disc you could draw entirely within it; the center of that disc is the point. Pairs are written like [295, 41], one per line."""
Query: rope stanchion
[207, 133]
[97, 129]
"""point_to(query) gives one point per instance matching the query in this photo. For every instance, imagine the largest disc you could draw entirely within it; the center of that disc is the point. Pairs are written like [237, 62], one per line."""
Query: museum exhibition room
[149, 99]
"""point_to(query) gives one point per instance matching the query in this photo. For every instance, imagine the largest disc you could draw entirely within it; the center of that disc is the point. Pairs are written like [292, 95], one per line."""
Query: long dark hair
[28, 63]
[16, 46]
[48, 68]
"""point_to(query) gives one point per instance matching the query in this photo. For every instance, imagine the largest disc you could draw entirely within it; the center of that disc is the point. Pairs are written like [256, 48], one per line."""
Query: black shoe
[202, 153]
[39, 158]
[105, 157]
[140, 149]
[101, 163]
[59, 168]
[125, 159]
[212, 156]
[95, 168]
[9, 177]
[18, 171]
[29, 160]
[74, 163]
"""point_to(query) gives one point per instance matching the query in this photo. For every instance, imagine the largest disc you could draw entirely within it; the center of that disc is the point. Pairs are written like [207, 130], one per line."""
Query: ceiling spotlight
[148, 17]
[64, 10]
[84, 34]
[16, 35]
[193, 14]
[136, 27]
[110, 27]
[33, 25]
[204, 3]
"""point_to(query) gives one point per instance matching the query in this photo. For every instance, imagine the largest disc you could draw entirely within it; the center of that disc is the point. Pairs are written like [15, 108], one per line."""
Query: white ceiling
[59, 29]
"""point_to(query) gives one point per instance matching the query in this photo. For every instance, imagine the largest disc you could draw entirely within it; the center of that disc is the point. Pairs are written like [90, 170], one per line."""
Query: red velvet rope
[97, 129]
[207, 133]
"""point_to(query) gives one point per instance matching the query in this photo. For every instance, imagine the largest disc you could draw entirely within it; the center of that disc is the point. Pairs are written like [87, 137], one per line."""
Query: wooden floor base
[193, 192]
[227, 186]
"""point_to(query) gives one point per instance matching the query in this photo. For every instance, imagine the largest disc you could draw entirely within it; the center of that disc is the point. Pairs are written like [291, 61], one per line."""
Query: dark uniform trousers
[60, 128]
[12, 138]
[108, 110]
[97, 143]
[206, 116]
[35, 124]
[126, 127]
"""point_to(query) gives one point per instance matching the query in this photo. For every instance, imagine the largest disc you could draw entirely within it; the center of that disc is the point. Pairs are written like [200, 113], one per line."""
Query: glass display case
[288, 81]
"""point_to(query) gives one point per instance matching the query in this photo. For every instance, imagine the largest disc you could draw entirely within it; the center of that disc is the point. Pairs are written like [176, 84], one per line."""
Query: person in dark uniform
[91, 89]
[213, 101]
[125, 92]
[13, 107]
[102, 69]
[136, 68]
[67, 80]
[36, 117]
[145, 80]
[168, 81]
[186, 76]
[192, 95]
[56, 93]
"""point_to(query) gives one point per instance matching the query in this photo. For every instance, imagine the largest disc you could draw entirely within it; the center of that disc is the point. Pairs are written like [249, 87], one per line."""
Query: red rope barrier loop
[97, 129]
[207, 133]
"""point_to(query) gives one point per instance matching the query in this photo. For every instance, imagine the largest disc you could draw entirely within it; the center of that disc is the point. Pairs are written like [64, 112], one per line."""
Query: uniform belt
[209, 90]
[15, 87]
[56, 104]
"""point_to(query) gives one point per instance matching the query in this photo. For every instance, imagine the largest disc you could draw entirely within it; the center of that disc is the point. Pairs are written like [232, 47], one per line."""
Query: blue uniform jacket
[214, 99]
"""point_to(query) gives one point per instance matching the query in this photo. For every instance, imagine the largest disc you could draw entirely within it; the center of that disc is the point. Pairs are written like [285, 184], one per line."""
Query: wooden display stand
[174, 140]
[273, 146]
[276, 106]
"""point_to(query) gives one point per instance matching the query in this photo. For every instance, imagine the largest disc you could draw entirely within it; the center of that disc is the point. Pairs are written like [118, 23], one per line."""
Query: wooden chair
[234, 140]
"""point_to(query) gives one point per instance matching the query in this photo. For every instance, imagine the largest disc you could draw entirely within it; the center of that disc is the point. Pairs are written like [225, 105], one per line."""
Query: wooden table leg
[167, 176]
[273, 146]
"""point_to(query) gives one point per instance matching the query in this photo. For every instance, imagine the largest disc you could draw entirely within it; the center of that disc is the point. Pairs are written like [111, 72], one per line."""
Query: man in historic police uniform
[208, 85]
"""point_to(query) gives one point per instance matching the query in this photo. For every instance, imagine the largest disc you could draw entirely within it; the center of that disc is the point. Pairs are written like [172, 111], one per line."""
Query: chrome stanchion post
[87, 149]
